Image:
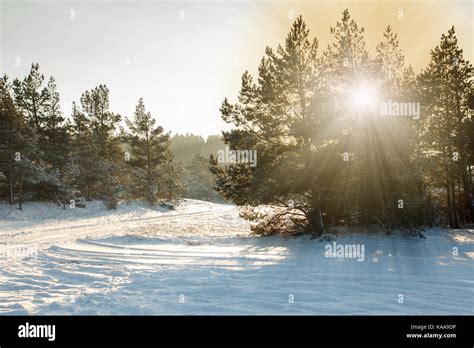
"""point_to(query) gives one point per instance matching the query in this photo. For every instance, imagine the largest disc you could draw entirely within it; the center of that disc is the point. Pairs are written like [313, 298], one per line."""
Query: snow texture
[201, 259]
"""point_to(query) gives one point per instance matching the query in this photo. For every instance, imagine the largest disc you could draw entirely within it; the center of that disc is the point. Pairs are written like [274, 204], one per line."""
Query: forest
[47, 156]
[343, 137]
[348, 138]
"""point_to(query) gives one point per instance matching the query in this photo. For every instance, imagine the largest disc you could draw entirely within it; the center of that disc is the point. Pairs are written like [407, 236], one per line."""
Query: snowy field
[202, 259]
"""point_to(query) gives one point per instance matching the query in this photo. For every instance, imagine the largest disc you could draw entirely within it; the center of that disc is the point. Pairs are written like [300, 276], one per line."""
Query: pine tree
[380, 170]
[97, 149]
[40, 104]
[446, 86]
[12, 123]
[95, 103]
[399, 161]
[31, 97]
[391, 60]
[321, 159]
[171, 178]
[277, 117]
[55, 132]
[148, 153]
[350, 178]
[84, 153]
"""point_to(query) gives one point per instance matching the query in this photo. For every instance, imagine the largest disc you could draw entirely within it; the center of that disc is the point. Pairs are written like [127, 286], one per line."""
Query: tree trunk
[12, 199]
[450, 208]
[462, 203]
[469, 191]
[315, 216]
[21, 190]
[454, 206]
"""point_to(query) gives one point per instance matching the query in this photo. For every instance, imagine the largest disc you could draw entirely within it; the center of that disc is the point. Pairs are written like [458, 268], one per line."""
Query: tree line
[327, 156]
[192, 152]
[45, 155]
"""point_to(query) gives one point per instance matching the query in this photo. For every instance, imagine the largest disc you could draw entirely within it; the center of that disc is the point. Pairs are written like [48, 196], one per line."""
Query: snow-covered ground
[202, 259]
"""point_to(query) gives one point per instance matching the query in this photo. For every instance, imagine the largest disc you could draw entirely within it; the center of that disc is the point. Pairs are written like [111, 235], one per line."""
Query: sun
[363, 96]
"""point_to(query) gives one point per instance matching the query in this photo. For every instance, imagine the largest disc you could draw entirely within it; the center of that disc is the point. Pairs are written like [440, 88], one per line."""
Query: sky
[184, 58]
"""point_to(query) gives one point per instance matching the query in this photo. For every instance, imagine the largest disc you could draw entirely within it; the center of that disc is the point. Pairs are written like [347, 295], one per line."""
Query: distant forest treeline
[186, 146]
[193, 152]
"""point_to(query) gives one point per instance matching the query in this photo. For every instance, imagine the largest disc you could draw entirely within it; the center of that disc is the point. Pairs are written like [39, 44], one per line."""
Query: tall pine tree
[148, 145]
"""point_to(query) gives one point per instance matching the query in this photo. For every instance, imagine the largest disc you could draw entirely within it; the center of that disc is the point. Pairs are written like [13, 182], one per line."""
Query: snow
[201, 259]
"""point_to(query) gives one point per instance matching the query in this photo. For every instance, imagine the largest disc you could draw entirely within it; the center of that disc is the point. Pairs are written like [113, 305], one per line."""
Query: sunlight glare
[364, 96]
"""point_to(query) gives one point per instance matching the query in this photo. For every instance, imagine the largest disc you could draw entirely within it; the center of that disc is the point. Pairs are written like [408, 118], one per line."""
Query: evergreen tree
[31, 97]
[446, 87]
[278, 117]
[399, 161]
[171, 178]
[55, 132]
[12, 124]
[47, 143]
[97, 151]
[301, 118]
[20, 156]
[149, 152]
[351, 186]
[84, 153]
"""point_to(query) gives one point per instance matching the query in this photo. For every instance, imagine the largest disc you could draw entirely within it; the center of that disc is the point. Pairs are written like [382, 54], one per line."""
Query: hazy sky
[183, 58]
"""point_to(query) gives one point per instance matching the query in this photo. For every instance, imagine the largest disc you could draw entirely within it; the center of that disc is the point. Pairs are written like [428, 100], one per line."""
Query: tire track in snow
[44, 237]
[83, 276]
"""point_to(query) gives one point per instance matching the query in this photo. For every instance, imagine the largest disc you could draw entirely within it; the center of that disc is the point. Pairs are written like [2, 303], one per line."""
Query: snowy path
[49, 235]
[201, 259]
[43, 232]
